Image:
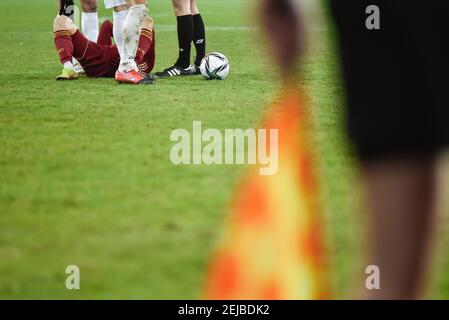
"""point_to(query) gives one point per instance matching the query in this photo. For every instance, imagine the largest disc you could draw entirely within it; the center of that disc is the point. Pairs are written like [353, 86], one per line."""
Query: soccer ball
[215, 66]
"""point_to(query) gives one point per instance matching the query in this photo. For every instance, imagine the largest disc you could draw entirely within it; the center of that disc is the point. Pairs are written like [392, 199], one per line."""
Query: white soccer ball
[215, 66]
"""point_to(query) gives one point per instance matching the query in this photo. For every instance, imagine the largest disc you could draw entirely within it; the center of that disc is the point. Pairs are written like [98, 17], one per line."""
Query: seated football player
[100, 59]
[89, 17]
[89, 20]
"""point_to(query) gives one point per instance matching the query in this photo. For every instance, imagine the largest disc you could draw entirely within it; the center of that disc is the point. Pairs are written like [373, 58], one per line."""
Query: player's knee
[106, 25]
[139, 11]
[181, 7]
[148, 23]
[194, 7]
[132, 3]
[89, 5]
[121, 8]
[63, 23]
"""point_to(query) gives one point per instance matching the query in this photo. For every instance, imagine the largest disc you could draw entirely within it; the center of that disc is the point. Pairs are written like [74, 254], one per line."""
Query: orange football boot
[130, 77]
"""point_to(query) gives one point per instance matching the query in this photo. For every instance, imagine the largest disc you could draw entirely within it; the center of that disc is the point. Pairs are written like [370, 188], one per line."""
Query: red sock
[145, 43]
[64, 45]
[150, 57]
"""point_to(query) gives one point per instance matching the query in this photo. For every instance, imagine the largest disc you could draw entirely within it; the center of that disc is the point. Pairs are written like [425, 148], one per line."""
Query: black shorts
[397, 77]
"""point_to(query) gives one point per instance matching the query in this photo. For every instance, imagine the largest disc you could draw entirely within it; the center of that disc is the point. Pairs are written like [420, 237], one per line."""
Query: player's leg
[120, 11]
[106, 33]
[185, 31]
[63, 29]
[119, 16]
[184, 18]
[146, 51]
[89, 19]
[128, 71]
[401, 197]
[199, 36]
[398, 166]
[67, 8]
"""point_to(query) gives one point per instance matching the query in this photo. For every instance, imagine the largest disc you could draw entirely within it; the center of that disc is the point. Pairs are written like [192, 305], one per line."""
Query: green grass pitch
[85, 177]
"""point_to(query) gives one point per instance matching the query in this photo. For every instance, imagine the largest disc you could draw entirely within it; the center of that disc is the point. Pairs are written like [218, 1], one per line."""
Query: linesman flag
[273, 246]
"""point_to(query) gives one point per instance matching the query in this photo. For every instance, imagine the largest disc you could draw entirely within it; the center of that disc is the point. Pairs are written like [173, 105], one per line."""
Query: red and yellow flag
[273, 246]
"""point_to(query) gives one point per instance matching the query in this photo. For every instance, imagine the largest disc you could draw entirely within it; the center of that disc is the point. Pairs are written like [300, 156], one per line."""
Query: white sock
[131, 34]
[89, 25]
[119, 19]
[69, 65]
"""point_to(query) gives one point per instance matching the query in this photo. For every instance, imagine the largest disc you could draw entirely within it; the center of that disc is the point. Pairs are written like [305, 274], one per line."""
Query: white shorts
[109, 4]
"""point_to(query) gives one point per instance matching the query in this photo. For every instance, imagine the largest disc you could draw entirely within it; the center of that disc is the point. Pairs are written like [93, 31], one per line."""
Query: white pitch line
[172, 27]
[167, 27]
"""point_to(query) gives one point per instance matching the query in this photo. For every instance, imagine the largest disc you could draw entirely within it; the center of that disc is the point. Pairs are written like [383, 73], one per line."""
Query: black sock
[67, 8]
[199, 38]
[185, 36]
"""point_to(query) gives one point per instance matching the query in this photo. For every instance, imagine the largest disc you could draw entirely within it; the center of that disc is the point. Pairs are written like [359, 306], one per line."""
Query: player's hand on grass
[281, 24]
